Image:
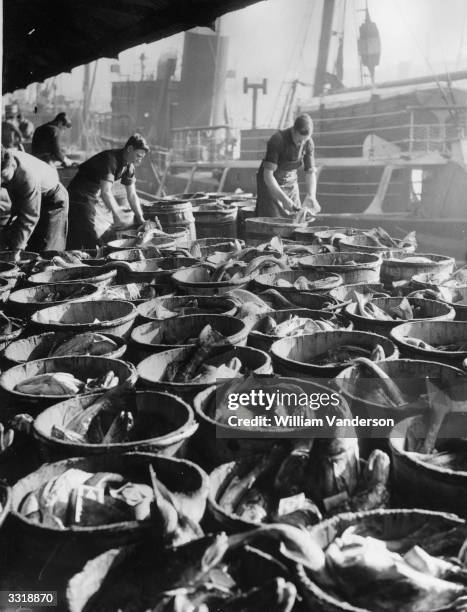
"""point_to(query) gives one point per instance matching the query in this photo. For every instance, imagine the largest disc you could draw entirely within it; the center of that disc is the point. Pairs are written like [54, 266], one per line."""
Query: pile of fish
[384, 576]
[315, 478]
[77, 497]
[90, 343]
[189, 306]
[131, 291]
[64, 383]
[61, 295]
[293, 326]
[347, 353]
[304, 284]
[452, 347]
[105, 421]
[404, 311]
[194, 368]
[423, 441]
[378, 237]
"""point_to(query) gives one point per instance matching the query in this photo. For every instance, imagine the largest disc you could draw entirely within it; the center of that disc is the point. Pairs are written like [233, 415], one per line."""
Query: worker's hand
[67, 162]
[311, 204]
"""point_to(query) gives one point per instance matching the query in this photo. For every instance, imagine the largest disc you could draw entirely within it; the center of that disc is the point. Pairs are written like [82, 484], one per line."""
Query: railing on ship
[404, 128]
[206, 143]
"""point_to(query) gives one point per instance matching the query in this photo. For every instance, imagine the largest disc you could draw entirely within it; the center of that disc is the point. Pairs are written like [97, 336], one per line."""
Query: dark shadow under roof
[43, 38]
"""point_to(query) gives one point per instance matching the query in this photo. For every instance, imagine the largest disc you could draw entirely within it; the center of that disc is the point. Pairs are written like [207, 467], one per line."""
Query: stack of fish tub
[126, 485]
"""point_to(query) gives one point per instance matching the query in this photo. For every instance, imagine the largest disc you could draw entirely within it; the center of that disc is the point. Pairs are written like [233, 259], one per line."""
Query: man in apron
[91, 196]
[277, 182]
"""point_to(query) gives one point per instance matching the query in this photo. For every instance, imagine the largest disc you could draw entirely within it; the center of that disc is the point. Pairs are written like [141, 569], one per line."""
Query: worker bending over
[39, 204]
[95, 178]
[277, 182]
[46, 141]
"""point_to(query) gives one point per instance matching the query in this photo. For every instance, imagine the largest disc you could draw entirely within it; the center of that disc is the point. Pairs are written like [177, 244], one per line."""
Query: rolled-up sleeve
[26, 199]
[273, 149]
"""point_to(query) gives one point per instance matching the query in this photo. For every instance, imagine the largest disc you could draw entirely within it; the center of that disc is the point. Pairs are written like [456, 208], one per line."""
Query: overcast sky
[278, 39]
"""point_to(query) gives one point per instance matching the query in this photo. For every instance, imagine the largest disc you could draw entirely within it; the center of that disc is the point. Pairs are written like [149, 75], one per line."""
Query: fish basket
[273, 281]
[264, 341]
[382, 524]
[165, 242]
[25, 302]
[205, 305]
[409, 376]
[115, 317]
[364, 244]
[301, 299]
[433, 333]
[150, 337]
[5, 502]
[82, 367]
[459, 303]
[163, 425]
[352, 267]
[306, 235]
[160, 269]
[151, 370]
[63, 552]
[427, 310]
[5, 289]
[39, 347]
[132, 255]
[333, 235]
[196, 281]
[398, 268]
[292, 356]
[210, 221]
[145, 292]
[344, 293]
[18, 326]
[437, 487]
[97, 275]
[88, 589]
[214, 442]
[262, 229]
[458, 280]
[22, 258]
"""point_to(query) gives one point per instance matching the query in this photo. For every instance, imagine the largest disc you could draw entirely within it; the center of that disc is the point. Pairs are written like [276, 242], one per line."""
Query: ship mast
[324, 44]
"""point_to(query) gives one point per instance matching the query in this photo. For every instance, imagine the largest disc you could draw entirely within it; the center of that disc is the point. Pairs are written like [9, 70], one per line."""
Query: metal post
[255, 87]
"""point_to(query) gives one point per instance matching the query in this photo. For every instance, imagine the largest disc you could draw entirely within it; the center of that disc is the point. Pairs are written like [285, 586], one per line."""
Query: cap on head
[63, 119]
[303, 125]
[137, 142]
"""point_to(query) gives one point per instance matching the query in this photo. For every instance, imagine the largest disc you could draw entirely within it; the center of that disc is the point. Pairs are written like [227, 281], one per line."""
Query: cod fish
[368, 575]
[58, 383]
[84, 344]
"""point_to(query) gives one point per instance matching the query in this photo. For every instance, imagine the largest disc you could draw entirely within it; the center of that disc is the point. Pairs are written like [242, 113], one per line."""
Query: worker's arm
[135, 203]
[310, 200]
[26, 200]
[57, 151]
[110, 201]
[276, 192]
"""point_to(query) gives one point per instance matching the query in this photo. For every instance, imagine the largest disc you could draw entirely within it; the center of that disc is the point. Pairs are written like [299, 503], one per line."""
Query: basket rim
[130, 367]
[119, 445]
[308, 585]
[111, 527]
